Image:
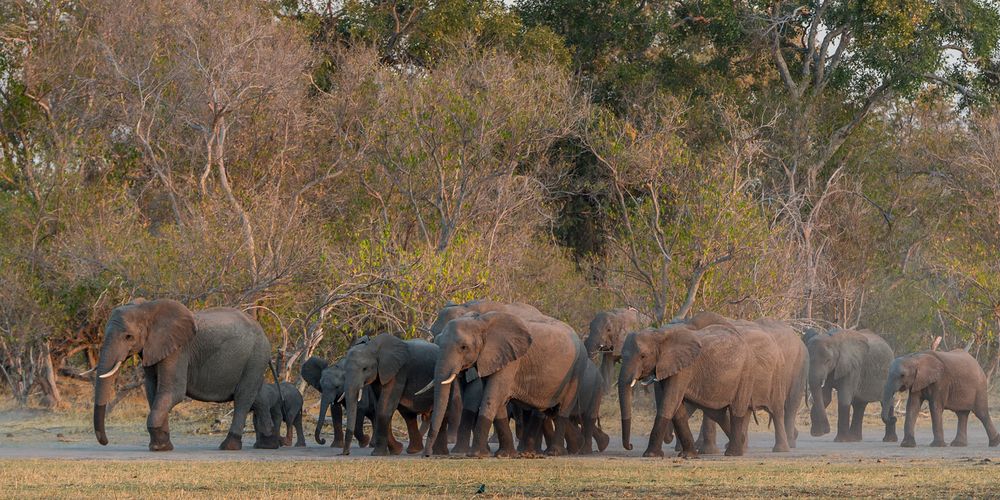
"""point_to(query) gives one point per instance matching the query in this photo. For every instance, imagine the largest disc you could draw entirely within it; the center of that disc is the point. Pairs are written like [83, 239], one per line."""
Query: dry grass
[601, 478]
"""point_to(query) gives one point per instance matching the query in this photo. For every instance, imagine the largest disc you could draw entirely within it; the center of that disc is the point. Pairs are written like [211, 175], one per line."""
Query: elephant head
[488, 342]
[329, 381]
[832, 356]
[155, 329]
[380, 359]
[607, 333]
[653, 354]
[913, 372]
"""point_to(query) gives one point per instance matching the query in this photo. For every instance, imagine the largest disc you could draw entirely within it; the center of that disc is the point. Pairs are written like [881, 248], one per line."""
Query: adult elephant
[607, 334]
[780, 366]
[396, 370]
[329, 381]
[710, 368]
[214, 355]
[467, 392]
[855, 363]
[534, 362]
[950, 380]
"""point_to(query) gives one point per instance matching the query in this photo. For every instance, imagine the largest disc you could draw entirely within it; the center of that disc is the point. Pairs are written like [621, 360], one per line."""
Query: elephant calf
[286, 408]
[950, 380]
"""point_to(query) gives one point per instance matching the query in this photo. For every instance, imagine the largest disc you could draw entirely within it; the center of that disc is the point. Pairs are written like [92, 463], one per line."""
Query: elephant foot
[781, 449]
[460, 448]
[655, 453]
[817, 431]
[440, 450]
[364, 441]
[481, 453]
[709, 449]
[602, 441]
[505, 453]
[300, 444]
[734, 451]
[688, 454]
[286, 442]
[555, 451]
[960, 444]
[382, 451]
[232, 442]
[414, 448]
[159, 440]
[338, 443]
[890, 438]
[938, 443]
[396, 448]
[586, 449]
[908, 442]
[268, 443]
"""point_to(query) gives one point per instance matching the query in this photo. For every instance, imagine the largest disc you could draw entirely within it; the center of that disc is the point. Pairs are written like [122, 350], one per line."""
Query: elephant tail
[281, 399]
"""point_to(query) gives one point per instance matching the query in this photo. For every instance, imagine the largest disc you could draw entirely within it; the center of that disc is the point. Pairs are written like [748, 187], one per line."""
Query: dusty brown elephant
[710, 368]
[950, 380]
[780, 364]
[607, 334]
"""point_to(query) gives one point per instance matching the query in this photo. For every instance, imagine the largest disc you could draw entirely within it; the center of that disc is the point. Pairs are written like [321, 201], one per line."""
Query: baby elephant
[268, 400]
[950, 380]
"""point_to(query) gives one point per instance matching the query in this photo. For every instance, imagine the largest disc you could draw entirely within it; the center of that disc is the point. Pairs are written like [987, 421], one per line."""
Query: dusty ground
[45, 454]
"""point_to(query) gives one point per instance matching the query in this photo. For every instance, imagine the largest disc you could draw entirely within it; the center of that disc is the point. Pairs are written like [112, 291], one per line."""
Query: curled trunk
[102, 395]
[323, 405]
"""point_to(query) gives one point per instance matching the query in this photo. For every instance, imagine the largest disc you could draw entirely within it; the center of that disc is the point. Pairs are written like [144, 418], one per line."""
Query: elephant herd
[491, 363]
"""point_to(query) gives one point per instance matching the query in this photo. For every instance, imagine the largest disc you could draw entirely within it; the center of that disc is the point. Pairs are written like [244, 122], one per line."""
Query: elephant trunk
[352, 397]
[820, 424]
[325, 403]
[889, 401]
[626, 381]
[442, 393]
[102, 393]
[607, 367]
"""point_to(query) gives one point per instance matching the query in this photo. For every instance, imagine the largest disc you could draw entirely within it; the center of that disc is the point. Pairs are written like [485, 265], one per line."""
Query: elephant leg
[937, 424]
[289, 424]
[413, 432]
[982, 412]
[602, 438]
[337, 415]
[912, 412]
[962, 435]
[359, 429]
[587, 424]
[843, 420]
[780, 435]
[532, 432]
[548, 428]
[168, 392]
[386, 406]
[244, 396]
[574, 436]
[709, 434]
[299, 431]
[556, 447]
[464, 435]
[496, 393]
[683, 431]
[857, 421]
[738, 435]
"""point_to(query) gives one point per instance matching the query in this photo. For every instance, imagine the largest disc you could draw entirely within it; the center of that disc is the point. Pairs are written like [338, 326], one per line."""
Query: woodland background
[345, 167]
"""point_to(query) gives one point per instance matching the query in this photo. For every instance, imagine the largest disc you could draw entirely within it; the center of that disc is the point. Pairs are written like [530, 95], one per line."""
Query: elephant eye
[128, 336]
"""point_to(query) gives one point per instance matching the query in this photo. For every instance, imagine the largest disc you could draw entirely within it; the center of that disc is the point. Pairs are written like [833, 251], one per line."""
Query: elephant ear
[927, 371]
[505, 338]
[852, 350]
[312, 371]
[392, 355]
[171, 326]
[679, 347]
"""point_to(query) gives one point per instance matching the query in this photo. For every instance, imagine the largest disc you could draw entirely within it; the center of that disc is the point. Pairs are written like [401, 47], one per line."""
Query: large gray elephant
[396, 370]
[950, 380]
[535, 362]
[709, 368]
[467, 391]
[855, 363]
[214, 355]
[284, 407]
[607, 334]
[780, 367]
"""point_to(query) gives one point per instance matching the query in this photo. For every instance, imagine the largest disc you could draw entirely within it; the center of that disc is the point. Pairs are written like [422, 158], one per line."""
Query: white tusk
[450, 379]
[113, 370]
[633, 383]
[426, 388]
[359, 395]
[341, 397]
[648, 381]
[87, 372]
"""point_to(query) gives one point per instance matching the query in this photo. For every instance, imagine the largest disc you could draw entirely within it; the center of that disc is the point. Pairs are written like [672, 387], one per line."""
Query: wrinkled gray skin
[583, 428]
[215, 355]
[329, 381]
[468, 388]
[855, 363]
[709, 368]
[607, 334]
[271, 408]
[533, 362]
[780, 365]
[950, 380]
[396, 370]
